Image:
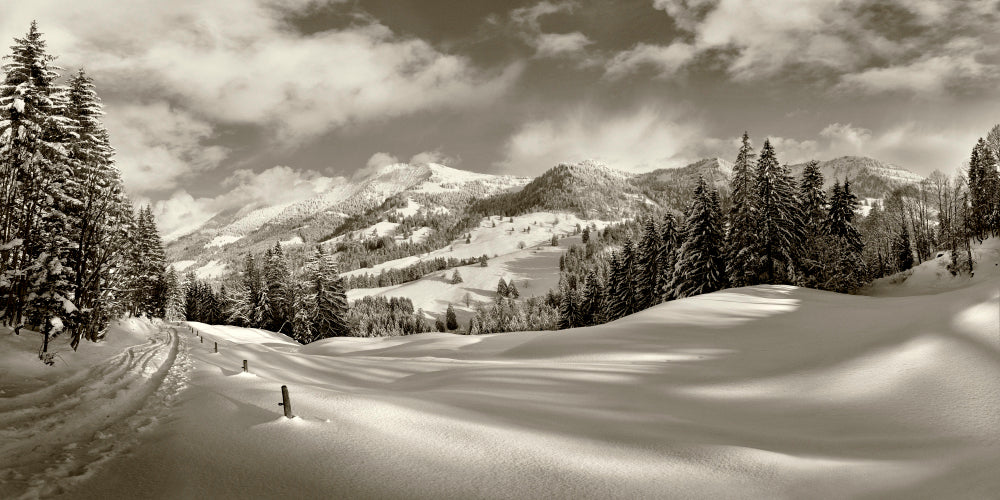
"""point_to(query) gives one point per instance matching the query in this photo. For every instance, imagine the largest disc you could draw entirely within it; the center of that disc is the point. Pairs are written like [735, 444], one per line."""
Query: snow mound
[933, 276]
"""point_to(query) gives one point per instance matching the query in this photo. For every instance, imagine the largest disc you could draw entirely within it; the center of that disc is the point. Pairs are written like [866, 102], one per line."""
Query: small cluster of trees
[73, 254]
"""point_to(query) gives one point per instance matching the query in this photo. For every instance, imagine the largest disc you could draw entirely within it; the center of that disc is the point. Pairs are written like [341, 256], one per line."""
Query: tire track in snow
[53, 438]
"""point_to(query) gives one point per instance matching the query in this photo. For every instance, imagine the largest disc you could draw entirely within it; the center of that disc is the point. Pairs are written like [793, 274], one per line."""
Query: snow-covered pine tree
[175, 292]
[456, 277]
[280, 294]
[812, 209]
[846, 269]
[501, 289]
[147, 265]
[627, 301]
[778, 225]
[670, 237]
[616, 285]
[701, 264]
[741, 243]
[305, 312]
[97, 212]
[512, 291]
[451, 320]
[647, 269]
[35, 277]
[330, 296]
[590, 304]
[568, 313]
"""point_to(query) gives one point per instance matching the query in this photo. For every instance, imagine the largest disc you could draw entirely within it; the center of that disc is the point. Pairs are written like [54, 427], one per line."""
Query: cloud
[242, 63]
[432, 157]
[182, 213]
[549, 45]
[928, 75]
[529, 16]
[640, 140]
[913, 146]
[932, 45]
[667, 60]
[158, 144]
[556, 44]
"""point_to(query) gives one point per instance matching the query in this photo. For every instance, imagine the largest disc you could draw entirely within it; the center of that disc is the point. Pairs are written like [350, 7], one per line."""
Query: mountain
[589, 189]
[319, 217]
[870, 178]
[401, 211]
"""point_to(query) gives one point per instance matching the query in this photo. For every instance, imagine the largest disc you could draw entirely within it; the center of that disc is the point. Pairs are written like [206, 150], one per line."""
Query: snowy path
[53, 438]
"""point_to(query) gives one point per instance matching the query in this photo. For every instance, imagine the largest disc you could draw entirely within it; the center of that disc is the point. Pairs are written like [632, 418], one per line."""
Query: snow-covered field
[761, 392]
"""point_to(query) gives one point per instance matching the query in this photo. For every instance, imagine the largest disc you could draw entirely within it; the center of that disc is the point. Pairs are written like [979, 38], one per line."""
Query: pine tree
[512, 290]
[277, 279]
[36, 281]
[327, 289]
[456, 277]
[903, 250]
[846, 269]
[778, 225]
[812, 208]
[647, 270]
[451, 321]
[590, 308]
[305, 313]
[671, 242]
[741, 243]
[567, 306]
[501, 289]
[175, 309]
[701, 264]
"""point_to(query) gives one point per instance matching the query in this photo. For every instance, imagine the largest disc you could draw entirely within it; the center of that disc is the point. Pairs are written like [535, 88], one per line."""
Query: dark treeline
[413, 272]
[73, 254]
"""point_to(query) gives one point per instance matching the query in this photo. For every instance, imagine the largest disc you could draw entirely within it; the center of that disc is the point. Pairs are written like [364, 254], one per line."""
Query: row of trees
[73, 255]
[776, 231]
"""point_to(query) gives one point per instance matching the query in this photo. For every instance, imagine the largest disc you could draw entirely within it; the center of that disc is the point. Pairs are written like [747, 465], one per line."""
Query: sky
[214, 105]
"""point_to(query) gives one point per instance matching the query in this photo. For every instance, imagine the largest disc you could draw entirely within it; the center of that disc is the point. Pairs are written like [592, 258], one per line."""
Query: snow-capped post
[286, 402]
[245, 370]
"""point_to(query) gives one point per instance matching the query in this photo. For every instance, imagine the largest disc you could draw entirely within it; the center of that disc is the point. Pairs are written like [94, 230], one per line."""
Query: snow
[932, 276]
[758, 392]
[222, 240]
[411, 208]
[295, 240]
[213, 269]
[534, 271]
[181, 265]
[503, 239]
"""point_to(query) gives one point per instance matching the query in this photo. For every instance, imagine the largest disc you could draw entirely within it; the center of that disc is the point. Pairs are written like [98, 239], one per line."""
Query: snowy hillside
[761, 392]
[534, 269]
[869, 177]
[246, 230]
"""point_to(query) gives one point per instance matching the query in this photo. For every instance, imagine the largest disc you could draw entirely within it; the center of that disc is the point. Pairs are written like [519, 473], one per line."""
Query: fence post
[245, 370]
[217, 348]
[286, 402]
[202, 339]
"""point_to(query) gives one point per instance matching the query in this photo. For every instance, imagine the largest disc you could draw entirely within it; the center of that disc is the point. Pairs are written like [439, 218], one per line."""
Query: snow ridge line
[96, 416]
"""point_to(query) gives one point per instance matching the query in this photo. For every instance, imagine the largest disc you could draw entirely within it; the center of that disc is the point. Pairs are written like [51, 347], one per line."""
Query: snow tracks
[55, 437]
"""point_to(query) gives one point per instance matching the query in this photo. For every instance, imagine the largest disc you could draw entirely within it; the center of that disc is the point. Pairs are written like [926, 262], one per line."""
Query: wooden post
[202, 339]
[245, 370]
[217, 348]
[286, 402]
